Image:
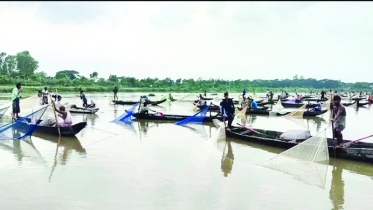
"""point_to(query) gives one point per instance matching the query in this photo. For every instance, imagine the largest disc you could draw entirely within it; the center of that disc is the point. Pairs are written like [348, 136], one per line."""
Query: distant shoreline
[103, 89]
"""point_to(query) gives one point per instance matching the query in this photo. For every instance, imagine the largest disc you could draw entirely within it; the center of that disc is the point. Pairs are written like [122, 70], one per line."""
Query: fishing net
[276, 108]
[308, 161]
[241, 115]
[326, 105]
[126, 117]
[196, 118]
[298, 113]
[3, 109]
[25, 104]
[23, 126]
[217, 140]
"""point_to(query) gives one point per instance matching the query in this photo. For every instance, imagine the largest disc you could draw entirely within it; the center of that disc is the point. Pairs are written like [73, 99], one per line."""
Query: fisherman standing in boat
[227, 109]
[16, 95]
[115, 91]
[45, 94]
[271, 96]
[84, 99]
[339, 118]
[322, 95]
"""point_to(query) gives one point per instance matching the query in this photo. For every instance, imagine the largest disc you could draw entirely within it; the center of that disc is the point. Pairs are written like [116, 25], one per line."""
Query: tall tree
[9, 66]
[72, 74]
[26, 64]
[94, 75]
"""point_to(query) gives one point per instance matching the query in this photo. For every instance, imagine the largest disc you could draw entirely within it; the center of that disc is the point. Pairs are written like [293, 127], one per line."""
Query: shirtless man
[339, 118]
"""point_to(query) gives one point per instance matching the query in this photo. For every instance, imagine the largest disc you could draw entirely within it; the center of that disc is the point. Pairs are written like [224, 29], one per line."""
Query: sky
[220, 40]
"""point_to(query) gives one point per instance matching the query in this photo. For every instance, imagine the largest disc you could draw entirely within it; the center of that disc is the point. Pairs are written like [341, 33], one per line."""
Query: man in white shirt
[45, 94]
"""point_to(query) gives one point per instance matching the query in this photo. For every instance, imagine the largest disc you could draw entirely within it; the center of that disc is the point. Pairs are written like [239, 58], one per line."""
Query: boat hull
[135, 102]
[65, 131]
[171, 118]
[361, 151]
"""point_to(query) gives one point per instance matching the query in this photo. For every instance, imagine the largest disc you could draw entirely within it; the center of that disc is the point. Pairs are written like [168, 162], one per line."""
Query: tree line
[22, 67]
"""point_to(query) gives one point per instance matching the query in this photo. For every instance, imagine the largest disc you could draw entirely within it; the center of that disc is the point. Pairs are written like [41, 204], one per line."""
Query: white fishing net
[308, 161]
[276, 108]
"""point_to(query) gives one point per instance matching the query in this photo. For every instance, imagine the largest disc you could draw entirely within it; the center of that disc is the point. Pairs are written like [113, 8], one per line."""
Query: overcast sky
[228, 40]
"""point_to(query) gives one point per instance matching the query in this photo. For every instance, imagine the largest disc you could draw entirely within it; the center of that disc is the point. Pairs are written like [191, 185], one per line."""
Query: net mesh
[23, 126]
[276, 108]
[126, 117]
[308, 161]
[3, 109]
[25, 104]
[196, 118]
[217, 140]
[298, 113]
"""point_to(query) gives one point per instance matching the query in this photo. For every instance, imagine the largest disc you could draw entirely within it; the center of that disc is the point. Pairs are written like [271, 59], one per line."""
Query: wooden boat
[349, 104]
[363, 104]
[266, 103]
[215, 108]
[134, 102]
[171, 118]
[80, 110]
[306, 97]
[297, 105]
[314, 99]
[360, 151]
[65, 131]
[266, 112]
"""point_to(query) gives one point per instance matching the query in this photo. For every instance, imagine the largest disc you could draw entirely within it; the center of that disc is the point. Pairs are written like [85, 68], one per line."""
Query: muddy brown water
[155, 165]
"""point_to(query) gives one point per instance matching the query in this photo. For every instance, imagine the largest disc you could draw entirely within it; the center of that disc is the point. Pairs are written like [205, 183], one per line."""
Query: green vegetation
[22, 67]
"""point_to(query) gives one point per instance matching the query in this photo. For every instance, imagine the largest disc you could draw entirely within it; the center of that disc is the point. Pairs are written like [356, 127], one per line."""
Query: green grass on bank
[103, 89]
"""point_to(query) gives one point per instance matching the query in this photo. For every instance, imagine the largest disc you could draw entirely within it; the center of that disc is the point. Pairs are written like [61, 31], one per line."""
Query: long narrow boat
[65, 131]
[266, 112]
[134, 102]
[297, 105]
[172, 118]
[363, 104]
[360, 151]
[314, 99]
[215, 108]
[80, 110]
[349, 104]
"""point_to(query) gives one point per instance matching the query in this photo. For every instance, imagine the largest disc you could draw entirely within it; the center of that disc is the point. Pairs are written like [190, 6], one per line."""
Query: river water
[152, 165]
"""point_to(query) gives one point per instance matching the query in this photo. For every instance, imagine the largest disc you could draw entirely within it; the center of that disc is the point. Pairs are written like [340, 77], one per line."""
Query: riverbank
[103, 89]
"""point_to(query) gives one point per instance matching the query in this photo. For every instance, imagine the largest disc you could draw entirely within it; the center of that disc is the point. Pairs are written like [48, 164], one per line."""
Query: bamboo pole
[55, 115]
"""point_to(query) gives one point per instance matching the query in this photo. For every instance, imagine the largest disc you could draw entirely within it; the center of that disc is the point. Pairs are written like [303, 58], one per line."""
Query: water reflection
[91, 117]
[336, 193]
[227, 159]
[22, 149]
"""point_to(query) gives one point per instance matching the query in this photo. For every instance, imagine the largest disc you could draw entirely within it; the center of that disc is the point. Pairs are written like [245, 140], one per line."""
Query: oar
[55, 116]
[249, 129]
[355, 141]
[332, 117]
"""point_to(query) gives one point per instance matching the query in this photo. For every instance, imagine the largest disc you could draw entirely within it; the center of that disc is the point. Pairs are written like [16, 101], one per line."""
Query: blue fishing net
[196, 118]
[24, 126]
[126, 117]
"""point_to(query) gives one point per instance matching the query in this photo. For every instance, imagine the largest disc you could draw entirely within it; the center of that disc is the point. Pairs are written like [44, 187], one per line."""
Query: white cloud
[246, 40]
